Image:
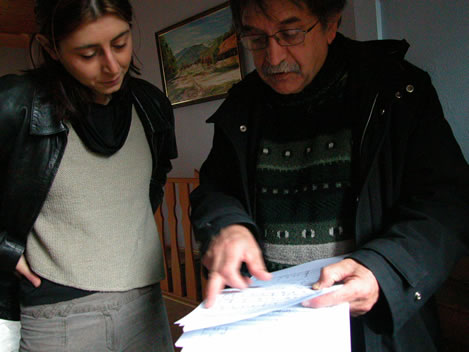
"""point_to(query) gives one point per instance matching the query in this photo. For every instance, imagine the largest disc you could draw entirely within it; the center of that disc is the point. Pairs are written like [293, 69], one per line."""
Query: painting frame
[200, 57]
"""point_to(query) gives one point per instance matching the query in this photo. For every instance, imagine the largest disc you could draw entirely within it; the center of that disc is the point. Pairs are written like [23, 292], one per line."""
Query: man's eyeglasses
[286, 37]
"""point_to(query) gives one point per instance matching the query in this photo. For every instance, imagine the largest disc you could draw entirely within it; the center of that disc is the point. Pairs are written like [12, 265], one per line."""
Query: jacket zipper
[146, 115]
[367, 124]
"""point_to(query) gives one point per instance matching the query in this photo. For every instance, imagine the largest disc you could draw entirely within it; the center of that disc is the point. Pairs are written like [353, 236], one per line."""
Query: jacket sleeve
[153, 104]
[167, 150]
[10, 113]
[10, 250]
[217, 202]
[427, 227]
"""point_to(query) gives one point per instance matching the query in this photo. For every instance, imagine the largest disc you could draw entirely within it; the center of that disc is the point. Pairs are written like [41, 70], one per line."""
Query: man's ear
[332, 27]
[45, 43]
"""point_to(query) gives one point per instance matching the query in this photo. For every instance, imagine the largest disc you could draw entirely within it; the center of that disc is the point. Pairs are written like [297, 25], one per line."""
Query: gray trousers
[135, 320]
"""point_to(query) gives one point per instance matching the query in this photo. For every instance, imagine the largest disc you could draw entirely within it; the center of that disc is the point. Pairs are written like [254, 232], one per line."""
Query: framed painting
[199, 57]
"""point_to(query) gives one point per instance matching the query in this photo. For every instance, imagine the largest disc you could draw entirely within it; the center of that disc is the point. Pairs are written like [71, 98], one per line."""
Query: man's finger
[327, 279]
[229, 268]
[214, 286]
[259, 271]
[255, 264]
[334, 273]
[327, 300]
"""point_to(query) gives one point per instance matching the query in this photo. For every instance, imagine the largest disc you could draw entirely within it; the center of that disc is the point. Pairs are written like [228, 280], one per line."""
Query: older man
[334, 147]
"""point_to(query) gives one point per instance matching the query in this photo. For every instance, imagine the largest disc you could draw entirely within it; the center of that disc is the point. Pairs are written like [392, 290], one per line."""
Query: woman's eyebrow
[120, 35]
[88, 46]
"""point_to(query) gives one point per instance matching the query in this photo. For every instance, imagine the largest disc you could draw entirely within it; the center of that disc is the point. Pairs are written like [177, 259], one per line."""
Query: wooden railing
[184, 279]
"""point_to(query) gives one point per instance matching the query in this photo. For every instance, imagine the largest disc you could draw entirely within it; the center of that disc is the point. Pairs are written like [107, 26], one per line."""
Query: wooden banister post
[160, 226]
[191, 284]
[182, 269]
[170, 196]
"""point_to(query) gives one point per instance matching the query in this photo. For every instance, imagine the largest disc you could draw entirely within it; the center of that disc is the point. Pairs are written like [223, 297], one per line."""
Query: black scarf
[104, 128]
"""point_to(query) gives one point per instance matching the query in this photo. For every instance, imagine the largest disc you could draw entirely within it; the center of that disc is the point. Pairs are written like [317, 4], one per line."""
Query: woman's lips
[112, 82]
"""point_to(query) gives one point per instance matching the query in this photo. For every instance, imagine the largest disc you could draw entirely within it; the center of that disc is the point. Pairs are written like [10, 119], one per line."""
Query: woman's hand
[23, 269]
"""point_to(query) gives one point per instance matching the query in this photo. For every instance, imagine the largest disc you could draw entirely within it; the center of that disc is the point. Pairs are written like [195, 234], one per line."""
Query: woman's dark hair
[322, 9]
[56, 19]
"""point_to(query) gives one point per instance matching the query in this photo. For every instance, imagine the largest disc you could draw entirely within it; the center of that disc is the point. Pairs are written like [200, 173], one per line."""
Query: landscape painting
[199, 57]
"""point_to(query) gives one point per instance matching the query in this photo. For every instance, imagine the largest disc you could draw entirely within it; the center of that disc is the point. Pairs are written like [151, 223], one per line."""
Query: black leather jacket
[32, 145]
[411, 188]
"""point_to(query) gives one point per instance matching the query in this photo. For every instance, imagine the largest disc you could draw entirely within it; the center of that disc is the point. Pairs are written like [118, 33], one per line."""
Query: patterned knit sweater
[303, 178]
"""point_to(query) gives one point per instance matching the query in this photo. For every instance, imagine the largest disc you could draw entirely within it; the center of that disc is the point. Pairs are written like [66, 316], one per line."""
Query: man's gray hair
[322, 9]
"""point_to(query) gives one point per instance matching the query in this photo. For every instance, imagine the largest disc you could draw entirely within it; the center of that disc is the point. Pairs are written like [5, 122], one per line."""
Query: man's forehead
[275, 12]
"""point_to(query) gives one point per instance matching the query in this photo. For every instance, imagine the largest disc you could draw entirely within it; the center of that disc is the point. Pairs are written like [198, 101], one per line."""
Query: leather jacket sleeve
[167, 150]
[12, 113]
[156, 113]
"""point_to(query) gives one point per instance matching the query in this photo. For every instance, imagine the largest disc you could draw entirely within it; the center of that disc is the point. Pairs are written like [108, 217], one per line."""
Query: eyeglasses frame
[305, 31]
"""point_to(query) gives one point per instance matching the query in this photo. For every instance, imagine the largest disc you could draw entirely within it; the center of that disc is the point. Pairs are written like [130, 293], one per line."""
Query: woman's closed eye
[119, 45]
[88, 56]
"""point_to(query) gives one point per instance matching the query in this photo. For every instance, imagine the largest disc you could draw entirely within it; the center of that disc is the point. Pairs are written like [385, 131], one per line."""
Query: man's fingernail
[316, 286]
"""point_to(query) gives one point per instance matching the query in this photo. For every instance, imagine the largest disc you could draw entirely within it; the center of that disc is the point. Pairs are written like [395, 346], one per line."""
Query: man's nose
[275, 52]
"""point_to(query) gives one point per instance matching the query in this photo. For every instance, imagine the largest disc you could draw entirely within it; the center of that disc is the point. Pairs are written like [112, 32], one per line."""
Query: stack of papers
[9, 335]
[268, 316]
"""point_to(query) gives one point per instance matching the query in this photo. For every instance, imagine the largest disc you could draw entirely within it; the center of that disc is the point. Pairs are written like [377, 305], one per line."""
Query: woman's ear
[45, 43]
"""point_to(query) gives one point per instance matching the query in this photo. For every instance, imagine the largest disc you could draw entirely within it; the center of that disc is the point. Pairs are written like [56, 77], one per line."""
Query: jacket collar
[42, 120]
[148, 106]
[242, 97]
[366, 58]
[43, 123]
[375, 67]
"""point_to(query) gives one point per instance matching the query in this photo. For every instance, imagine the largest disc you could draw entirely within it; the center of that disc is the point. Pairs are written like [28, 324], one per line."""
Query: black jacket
[412, 187]
[32, 145]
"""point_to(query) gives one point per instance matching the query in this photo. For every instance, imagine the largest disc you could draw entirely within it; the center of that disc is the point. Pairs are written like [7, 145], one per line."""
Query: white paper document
[268, 316]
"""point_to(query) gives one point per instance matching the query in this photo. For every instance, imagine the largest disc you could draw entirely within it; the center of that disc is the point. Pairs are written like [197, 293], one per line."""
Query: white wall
[363, 14]
[438, 34]
[348, 25]
[194, 136]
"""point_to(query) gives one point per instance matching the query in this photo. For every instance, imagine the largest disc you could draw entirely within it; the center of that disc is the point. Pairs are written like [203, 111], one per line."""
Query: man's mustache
[283, 67]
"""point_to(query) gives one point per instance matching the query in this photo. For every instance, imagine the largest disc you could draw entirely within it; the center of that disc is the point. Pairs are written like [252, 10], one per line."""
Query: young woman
[85, 150]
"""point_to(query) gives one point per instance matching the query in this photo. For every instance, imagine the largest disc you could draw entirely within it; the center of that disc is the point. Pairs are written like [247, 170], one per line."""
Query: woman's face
[98, 54]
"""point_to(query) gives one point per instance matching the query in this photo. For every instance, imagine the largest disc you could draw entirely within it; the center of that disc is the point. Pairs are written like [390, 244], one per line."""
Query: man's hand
[234, 245]
[360, 288]
[23, 269]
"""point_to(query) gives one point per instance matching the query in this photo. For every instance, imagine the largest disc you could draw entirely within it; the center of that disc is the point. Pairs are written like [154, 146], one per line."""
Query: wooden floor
[176, 310]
